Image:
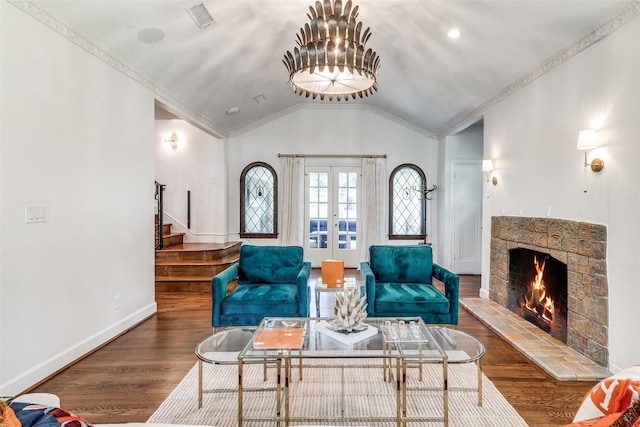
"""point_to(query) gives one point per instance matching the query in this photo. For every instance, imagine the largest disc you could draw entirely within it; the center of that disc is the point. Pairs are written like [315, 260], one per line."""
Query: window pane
[323, 195]
[313, 195]
[407, 203]
[347, 220]
[353, 179]
[318, 209]
[259, 201]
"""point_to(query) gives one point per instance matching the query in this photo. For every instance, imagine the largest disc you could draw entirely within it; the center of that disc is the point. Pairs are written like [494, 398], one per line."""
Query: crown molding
[333, 107]
[80, 40]
[625, 15]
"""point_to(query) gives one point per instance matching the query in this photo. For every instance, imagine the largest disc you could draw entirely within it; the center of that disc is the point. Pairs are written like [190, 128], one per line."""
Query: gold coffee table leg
[479, 367]
[404, 391]
[287, 378]
[278, 391]
[445, 392]
[199, 383]
[239, 392]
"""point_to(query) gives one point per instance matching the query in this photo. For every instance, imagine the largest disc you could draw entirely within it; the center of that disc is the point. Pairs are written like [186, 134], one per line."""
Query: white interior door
[331, 212]
[467, 195]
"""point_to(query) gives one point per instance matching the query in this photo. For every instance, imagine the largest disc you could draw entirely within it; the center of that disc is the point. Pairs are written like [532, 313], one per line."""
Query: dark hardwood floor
[127, 379]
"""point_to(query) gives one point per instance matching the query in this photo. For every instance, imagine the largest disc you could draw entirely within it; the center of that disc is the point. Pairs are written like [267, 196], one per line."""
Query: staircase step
[194, 252]
[203, 286]
[191, 266]
[192, 269]
[172, 239]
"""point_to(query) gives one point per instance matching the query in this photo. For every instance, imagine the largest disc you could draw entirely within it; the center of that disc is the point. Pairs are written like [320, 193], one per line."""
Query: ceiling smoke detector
[200, 15]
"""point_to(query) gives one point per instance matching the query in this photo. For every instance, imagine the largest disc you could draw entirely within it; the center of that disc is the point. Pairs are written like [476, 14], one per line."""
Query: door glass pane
[318, 209]
[347, 209]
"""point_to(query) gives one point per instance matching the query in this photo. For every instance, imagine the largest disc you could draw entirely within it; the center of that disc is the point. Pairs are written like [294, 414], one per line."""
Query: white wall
[76, 138]
[351, 130]
[197, 165]
[533, 134]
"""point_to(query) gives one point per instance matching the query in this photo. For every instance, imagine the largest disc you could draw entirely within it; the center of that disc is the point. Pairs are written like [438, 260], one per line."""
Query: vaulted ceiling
[427, 79]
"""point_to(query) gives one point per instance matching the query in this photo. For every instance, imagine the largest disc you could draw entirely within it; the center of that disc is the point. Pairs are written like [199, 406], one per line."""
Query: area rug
[327, 393]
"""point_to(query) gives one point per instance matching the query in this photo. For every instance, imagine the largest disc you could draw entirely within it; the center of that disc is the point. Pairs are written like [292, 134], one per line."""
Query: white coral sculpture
[349, 312]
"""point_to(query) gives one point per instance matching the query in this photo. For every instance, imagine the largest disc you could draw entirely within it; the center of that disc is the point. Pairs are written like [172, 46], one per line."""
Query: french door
[331, 214]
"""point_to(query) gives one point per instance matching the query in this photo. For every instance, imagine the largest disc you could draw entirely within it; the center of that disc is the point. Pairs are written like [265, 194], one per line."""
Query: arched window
[258, 201]
[406, 203]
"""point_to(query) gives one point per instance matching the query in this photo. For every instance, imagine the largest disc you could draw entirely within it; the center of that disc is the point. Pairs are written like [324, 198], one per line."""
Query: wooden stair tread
[186, 247]
[229, 259]
[183, 278]
[168, 235]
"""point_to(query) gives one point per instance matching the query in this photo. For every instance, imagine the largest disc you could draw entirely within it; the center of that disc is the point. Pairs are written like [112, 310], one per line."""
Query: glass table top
[312, 338]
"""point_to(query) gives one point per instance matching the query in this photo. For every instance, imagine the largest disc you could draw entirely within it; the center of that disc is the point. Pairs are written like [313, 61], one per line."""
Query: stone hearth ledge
[551, 355]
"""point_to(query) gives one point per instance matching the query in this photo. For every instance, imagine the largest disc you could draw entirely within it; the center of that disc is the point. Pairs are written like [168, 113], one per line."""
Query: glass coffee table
[221, 348]
[306, 340]
[460, 348]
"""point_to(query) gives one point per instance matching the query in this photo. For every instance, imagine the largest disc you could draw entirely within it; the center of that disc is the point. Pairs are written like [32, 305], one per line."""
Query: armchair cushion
[398, 264]
[395, 297]
[269, 264]
[275, 299]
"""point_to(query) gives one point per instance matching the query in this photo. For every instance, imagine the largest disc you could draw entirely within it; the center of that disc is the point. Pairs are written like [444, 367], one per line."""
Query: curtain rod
[369, 156]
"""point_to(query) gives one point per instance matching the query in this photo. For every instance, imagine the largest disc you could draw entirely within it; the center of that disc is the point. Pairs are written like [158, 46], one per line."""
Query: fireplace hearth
[579, 246]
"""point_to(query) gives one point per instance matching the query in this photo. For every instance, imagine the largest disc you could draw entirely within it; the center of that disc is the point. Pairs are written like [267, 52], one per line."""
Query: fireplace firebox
[538, 290]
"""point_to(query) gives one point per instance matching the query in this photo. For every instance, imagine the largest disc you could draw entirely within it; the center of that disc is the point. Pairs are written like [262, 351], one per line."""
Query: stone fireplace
[578, 246]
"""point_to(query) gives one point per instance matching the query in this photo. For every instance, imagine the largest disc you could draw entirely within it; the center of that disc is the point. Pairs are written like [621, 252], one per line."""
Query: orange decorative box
[333, 273]
[278, 338]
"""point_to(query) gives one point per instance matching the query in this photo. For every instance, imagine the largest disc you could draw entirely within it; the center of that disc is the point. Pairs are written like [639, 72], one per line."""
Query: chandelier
[331, 59]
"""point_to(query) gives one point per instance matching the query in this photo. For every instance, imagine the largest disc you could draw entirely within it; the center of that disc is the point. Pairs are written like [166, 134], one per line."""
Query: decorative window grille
[258, 201]
[406, 203]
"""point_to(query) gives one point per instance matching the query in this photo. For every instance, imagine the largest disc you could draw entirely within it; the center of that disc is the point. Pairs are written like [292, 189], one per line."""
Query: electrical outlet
[33, 214]
[116, 302]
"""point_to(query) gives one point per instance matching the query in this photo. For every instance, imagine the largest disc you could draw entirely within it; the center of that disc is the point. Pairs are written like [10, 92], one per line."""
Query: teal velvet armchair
[272, 282]
[398, 283]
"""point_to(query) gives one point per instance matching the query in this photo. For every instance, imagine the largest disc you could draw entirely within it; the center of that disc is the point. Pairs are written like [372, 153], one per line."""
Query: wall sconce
[487, 166]
[172, 141]
[587, 141]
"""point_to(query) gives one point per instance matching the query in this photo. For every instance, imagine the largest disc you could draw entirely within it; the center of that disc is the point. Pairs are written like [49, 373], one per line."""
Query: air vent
[200, 15]
[259, 99]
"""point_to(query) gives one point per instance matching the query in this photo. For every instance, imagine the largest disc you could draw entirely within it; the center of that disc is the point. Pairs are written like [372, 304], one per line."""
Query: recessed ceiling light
[150, 35]
[454, 33]
[233, 110]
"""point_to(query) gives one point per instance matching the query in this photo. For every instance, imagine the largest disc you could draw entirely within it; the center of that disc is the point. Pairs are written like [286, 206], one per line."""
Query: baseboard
[32, 377]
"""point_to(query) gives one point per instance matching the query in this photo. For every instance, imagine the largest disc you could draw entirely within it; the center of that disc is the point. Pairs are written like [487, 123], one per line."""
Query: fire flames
[537, 301]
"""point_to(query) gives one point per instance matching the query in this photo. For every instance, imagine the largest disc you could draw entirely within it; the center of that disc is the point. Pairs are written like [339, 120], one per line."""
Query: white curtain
[374, 207]
[292, 201]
